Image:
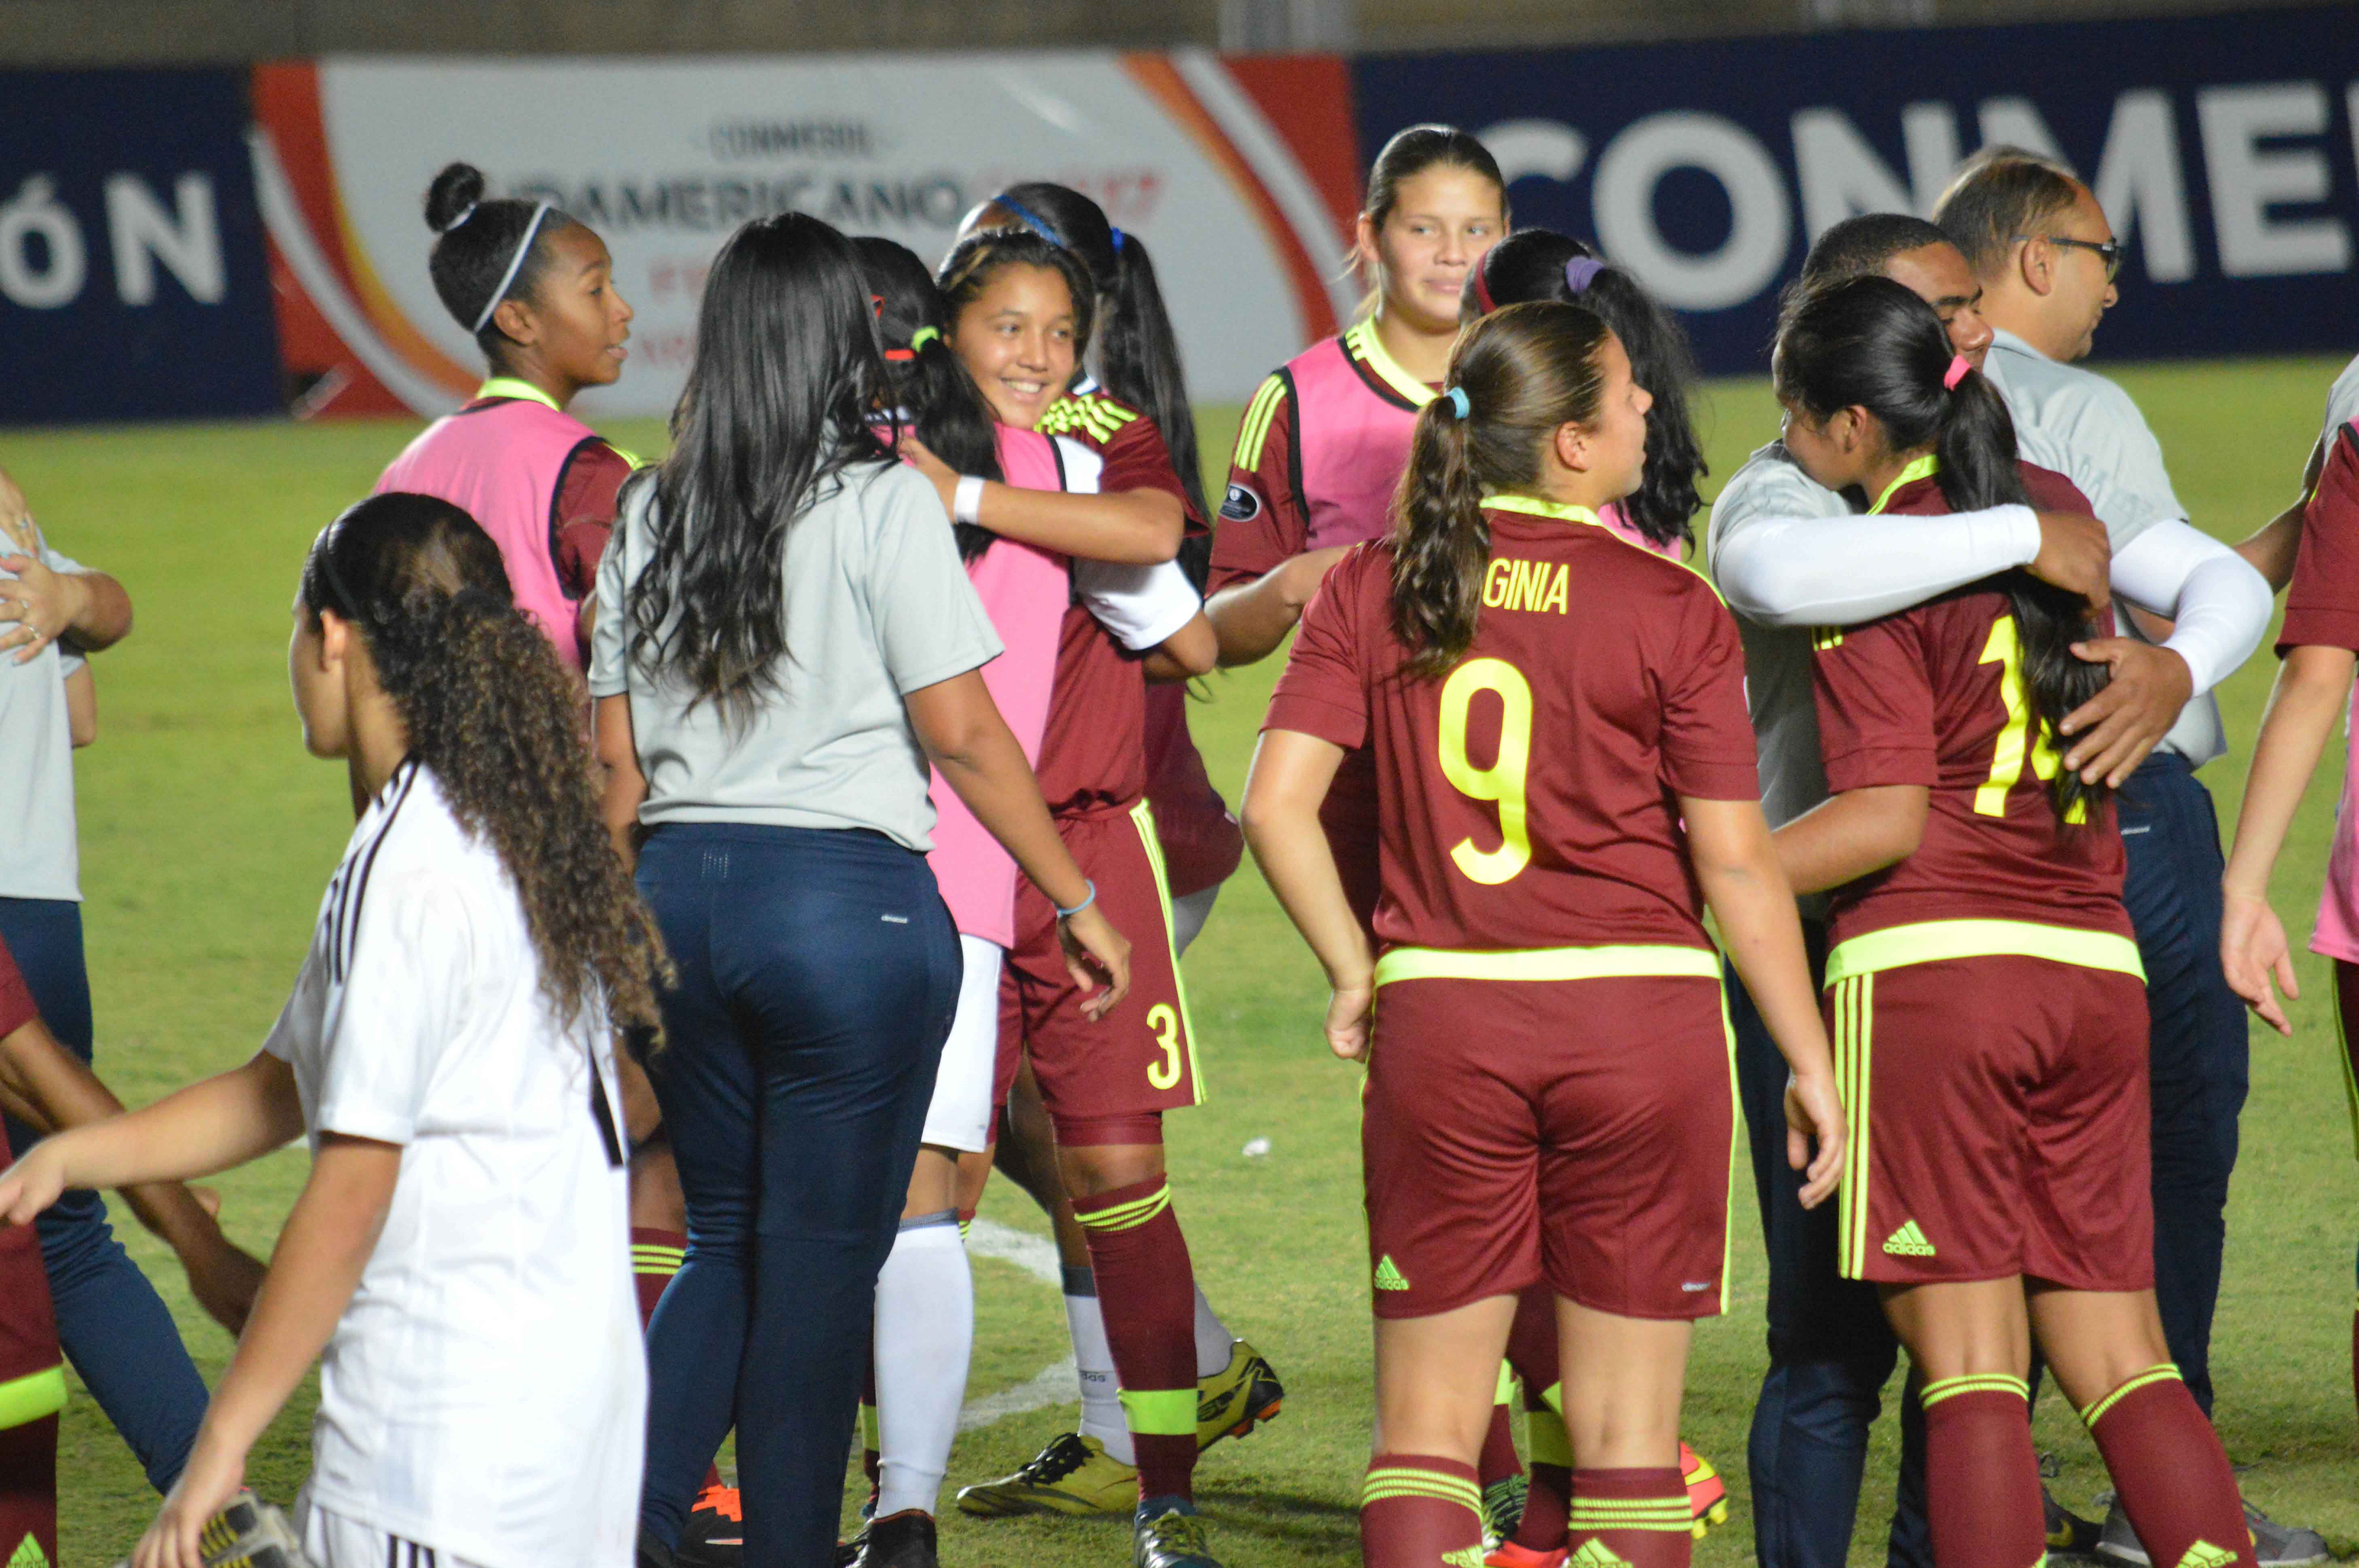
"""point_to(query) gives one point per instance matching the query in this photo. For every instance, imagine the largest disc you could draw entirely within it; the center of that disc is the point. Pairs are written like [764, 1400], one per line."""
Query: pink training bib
[1025, 589]
[500, 464]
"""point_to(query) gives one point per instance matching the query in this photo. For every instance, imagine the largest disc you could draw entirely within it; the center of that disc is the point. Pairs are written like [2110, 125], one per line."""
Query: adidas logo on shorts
[1595, 1553]
[2203, 1555]
[1390, 1278]
[1908, 1242]
[28, 1554]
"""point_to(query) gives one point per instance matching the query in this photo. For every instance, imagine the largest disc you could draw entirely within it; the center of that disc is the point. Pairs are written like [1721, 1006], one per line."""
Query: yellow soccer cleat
[1074, 1474]
[1707, 1493]
[1238, 1397]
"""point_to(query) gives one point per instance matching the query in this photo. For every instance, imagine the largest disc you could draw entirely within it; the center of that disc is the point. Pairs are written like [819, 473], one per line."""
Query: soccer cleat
[714, 1534]
[1166, 1533]
[1074, 1474]
[2275, 1545]
[2068, 1535]
[1508, 1554]
[1502, 1508]
[248, 1533]
[1238, 1397]
[905, 1540]
[1707, 1493]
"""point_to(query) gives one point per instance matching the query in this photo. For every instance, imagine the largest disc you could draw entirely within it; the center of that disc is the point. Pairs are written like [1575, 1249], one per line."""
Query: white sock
[1214, 1344]
[1102, 1413]
[925, 1336]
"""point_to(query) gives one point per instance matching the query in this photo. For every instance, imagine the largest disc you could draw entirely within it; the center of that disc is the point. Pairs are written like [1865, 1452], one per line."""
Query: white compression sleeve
[1839, 571]
[925, 1336]
[2219, 605]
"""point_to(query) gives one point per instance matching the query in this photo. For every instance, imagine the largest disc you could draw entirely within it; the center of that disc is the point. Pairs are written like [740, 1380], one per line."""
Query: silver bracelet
[966, 501]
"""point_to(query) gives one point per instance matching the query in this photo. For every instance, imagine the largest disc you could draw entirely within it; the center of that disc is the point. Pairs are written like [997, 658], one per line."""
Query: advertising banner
[2221, 147]
[1239, 177]
[132, 283]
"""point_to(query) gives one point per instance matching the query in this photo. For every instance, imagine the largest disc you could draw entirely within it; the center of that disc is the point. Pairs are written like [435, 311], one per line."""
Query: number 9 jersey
[1528, 798]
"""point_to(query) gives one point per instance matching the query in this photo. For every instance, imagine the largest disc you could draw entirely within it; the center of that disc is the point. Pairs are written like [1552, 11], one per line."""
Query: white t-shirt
[484, 1392]
[2342, 400]
[39, 850]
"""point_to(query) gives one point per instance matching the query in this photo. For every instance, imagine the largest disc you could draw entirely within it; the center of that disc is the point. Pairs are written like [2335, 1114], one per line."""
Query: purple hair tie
[1581, 272]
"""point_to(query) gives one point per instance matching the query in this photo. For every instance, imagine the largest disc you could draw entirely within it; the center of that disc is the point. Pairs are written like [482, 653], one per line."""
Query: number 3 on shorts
[1503, 780]
[1164, 1018]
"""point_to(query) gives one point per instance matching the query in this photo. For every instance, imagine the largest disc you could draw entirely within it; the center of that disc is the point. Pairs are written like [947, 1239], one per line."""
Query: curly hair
[491, 712]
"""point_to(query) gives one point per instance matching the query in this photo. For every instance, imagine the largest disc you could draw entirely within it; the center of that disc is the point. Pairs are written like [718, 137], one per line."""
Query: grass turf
[207, 835]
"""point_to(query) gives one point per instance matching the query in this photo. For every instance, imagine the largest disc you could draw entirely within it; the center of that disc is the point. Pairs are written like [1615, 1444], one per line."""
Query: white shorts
[331, 1540]
[961, 1115]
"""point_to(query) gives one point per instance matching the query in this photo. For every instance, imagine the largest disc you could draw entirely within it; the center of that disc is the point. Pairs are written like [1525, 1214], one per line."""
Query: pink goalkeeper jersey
[501, 463]
[1025, 589]
[2323, 611]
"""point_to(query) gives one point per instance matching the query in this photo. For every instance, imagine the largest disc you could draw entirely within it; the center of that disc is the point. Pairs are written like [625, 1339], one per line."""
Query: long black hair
[787, 378]
[945, 408]
[1868, 342]
[1524, 370]
[476, 243]
[491, 712]
[1138, 354]
[1540, 264]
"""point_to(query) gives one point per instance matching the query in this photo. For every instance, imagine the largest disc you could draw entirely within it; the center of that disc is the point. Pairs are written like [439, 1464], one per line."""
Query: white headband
[516, 261]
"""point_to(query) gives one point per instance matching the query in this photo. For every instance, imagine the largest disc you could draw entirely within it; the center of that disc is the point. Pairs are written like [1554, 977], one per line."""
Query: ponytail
[923, 376]
[1514, 378]
[1869, 342]
[1138, 355]
[1538, 264]
[492, 713]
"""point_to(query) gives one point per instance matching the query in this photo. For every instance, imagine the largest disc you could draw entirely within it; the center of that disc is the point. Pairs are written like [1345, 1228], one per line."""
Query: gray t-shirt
[2080, 425]
[2343, 401]
[40, 857]
[876, 606]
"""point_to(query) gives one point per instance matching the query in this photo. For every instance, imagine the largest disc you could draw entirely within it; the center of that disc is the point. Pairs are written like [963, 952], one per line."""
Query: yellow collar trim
[509, 387]
[1924, 467]
[1362, 342]
[1533, 506]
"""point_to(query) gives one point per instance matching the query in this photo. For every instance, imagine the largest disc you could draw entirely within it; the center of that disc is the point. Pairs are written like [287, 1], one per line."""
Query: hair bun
[452, 198]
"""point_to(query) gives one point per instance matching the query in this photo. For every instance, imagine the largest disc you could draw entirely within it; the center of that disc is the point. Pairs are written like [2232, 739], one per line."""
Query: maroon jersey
[582, 515]
[1935, 696]
[2323, 604]
[1136, 456]
[1530, 797]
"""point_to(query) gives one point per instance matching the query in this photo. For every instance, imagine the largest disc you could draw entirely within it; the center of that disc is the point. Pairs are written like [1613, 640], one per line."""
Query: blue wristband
[1069, 914]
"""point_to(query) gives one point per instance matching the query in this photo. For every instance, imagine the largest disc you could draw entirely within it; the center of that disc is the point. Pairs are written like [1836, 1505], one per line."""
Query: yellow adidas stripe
[1129, 1216]
[1260, 415]
[31, 1396]
[1549, 964]
[2164, 1373]
[1940, 941]
[1142, 817]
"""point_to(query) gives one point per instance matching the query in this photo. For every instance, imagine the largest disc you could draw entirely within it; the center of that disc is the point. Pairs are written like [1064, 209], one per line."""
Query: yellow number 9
[1164, 1019]
[1503, 780]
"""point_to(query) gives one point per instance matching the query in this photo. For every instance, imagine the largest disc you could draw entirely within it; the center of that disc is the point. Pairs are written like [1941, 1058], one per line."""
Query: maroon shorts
[1141, 1056]
[1575, 1132]
[28, 1334]
[1998, 1112]
[1199, 835]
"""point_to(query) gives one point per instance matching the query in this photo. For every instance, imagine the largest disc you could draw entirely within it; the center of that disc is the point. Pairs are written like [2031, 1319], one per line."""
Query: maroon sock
[1638, 1515]
[1547, 1508]
[1531, 1345]
[656, 1257]
[28, 1490]
[1146, 1291]
[1982, 1478]
[1416, 1511]
[2171, 1473]
[1499, 1462]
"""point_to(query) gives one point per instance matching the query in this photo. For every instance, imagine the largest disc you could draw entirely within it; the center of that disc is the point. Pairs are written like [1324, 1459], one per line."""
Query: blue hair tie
[1463, 406]
[1024, 216]
[1118, 237]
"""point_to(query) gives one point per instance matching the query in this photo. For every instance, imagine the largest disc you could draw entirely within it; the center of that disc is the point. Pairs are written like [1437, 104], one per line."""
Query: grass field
[207, 835]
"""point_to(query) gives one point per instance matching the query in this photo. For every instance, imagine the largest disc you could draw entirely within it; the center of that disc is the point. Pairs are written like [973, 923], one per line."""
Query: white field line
[1057, 1385]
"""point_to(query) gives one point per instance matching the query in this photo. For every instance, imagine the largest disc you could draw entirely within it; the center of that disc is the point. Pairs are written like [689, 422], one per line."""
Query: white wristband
[966, 501]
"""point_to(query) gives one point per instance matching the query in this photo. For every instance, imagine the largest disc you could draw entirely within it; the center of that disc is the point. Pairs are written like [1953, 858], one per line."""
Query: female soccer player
[972, 383]
[788, 638]
[536, 290]
[1557, 718]
[1983, 985]
[1540, 264]
[2317, 643]
[1324, 441]
[457, 1252]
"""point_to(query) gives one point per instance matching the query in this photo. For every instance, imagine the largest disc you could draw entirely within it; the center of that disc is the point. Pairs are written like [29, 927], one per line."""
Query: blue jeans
[1809, 1432]
[818, 972]
[115, 1329]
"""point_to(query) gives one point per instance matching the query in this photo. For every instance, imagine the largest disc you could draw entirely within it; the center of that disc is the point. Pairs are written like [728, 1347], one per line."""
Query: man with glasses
[2046, 260]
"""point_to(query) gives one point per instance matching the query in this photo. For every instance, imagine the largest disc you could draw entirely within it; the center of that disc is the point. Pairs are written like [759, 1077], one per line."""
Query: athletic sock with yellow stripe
[1634, 1518]
[656, 1257]
[1982, 1475]
[2171, 1473]
[1418, 1509]
[1147, 1294]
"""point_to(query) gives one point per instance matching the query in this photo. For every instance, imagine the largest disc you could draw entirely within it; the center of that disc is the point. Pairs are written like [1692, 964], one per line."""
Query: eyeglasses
[2108, 251]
